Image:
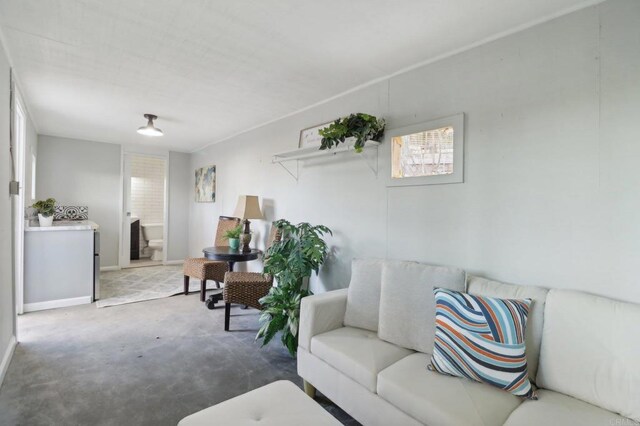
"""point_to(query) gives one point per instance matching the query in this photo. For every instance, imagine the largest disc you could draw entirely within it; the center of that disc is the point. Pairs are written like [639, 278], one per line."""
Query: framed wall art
[206, 184]
[310, 137]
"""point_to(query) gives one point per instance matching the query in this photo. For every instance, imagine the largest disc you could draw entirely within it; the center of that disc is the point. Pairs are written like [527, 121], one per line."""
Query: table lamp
[247, 208]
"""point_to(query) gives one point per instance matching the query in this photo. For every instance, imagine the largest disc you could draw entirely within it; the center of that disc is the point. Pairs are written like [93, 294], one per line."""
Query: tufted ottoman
[279, 403]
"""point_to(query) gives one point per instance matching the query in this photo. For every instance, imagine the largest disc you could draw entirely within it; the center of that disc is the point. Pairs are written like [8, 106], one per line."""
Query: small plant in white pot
[233, 235]
[45, 209]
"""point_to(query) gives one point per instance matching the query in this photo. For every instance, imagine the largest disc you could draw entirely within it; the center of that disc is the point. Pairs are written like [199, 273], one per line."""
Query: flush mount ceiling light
[149, 130]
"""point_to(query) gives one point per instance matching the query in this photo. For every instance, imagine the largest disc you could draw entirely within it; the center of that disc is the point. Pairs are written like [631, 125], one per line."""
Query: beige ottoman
[279, 403]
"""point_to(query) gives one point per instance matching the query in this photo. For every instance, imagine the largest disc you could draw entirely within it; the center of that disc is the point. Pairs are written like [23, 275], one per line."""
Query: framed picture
[310, 137]
[206, 184]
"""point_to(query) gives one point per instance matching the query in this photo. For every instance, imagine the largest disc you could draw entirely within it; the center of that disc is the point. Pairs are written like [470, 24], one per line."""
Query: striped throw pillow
[482, 339]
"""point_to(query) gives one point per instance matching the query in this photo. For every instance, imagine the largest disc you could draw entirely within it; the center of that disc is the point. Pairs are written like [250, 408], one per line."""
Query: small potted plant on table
[233, 235]
[45, 209]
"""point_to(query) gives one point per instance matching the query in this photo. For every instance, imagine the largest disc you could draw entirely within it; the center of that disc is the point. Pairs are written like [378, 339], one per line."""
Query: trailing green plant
[362, 127]
[233, 233]
[300, 251]
[45, 207]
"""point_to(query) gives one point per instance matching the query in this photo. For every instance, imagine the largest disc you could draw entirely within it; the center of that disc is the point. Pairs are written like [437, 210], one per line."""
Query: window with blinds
[427, 153]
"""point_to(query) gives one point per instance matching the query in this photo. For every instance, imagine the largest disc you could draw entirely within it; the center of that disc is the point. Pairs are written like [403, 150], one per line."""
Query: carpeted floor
[148, 363]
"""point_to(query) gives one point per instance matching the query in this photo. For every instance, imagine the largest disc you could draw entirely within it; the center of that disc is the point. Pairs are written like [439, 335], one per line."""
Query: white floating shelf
[313, 152]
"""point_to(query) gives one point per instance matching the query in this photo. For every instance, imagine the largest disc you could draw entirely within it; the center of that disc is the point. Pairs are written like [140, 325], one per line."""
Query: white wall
[551, 178]
[84, 173]
[180, 196]
[7, 310]
[88, 173]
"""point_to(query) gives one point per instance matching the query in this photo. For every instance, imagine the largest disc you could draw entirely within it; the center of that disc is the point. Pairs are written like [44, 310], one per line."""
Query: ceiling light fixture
[149, 129]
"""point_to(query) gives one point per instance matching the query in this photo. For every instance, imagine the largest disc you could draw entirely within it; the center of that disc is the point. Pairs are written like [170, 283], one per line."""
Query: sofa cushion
[435, 399]
[591, 350]
[363, 300]
[357, 353]
[407, 307]
[484, 287]
[482, 339]
[554, 408]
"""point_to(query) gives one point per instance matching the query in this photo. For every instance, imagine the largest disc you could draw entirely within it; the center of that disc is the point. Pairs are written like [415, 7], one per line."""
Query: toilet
[153, 235]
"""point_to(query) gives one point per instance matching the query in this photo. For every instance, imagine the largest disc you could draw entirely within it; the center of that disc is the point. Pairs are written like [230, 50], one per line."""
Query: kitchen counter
[62, 225]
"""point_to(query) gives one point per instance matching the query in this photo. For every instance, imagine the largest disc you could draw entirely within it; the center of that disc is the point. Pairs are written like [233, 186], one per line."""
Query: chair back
[274, 235]
[225, 223]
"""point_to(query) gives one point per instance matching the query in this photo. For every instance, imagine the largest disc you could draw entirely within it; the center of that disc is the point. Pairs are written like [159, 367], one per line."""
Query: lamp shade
[248, 207]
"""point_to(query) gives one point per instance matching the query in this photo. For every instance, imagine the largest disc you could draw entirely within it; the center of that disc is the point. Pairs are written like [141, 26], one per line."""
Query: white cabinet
[58, 266]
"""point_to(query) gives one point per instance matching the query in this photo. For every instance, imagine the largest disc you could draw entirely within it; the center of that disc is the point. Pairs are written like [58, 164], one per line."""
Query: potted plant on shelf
[233, 235]
[361, 127]
[45, 209]
[300, 251]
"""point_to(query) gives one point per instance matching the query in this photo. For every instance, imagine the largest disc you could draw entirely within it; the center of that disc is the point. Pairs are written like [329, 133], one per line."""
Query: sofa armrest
[321, 313]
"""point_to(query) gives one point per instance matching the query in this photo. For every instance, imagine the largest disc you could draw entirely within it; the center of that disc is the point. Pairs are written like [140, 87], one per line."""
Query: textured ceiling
[210, 69]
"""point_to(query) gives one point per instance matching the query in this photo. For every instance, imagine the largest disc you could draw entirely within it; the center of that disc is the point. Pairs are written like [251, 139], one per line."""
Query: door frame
[20, 145]
[125, 203]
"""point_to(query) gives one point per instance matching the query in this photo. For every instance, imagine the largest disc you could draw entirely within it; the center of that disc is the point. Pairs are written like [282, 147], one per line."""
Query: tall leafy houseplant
[300, 251]
[362, 127]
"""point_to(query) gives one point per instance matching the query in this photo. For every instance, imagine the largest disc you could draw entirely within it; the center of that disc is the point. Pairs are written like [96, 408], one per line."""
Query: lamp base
[245, 237]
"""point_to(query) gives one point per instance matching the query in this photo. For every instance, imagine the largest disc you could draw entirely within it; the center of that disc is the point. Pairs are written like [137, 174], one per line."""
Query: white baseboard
[109, 268]
[6, 359]
[174, 262]
[60, 303]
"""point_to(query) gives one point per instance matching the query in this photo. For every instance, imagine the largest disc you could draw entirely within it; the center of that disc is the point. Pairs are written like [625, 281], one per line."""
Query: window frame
[457, 122]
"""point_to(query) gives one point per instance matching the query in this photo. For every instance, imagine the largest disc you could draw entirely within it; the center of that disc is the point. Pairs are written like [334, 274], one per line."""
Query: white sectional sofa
[367, 349]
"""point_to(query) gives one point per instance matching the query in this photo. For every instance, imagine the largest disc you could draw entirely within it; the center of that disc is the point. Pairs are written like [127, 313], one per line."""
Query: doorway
[19, 143]
[144, 227]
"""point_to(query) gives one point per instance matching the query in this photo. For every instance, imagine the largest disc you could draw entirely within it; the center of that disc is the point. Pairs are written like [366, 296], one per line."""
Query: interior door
[18, 203]
[125, 250]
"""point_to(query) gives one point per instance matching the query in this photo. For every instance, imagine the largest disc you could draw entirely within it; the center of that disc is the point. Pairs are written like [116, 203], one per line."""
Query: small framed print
[310, 137]
[206, 184]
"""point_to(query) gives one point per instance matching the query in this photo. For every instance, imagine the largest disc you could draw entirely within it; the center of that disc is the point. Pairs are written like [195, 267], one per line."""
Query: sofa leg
[186, 285]
[203, 289]
[309, 389]
[227, 315]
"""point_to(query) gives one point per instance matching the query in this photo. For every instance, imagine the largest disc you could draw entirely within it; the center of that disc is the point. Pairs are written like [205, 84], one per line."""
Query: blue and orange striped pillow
[482, 339]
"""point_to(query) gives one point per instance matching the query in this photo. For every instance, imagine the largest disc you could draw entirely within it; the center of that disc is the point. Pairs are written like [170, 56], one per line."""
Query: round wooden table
[231, 256]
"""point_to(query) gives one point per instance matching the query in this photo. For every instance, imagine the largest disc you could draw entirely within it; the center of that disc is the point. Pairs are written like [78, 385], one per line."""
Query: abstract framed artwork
[206, 184]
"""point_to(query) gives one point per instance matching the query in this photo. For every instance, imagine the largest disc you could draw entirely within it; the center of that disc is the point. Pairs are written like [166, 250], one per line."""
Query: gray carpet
[148, 363]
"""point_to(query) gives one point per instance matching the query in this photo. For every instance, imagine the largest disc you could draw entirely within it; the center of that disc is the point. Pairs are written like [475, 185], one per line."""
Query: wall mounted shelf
[299, 154]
